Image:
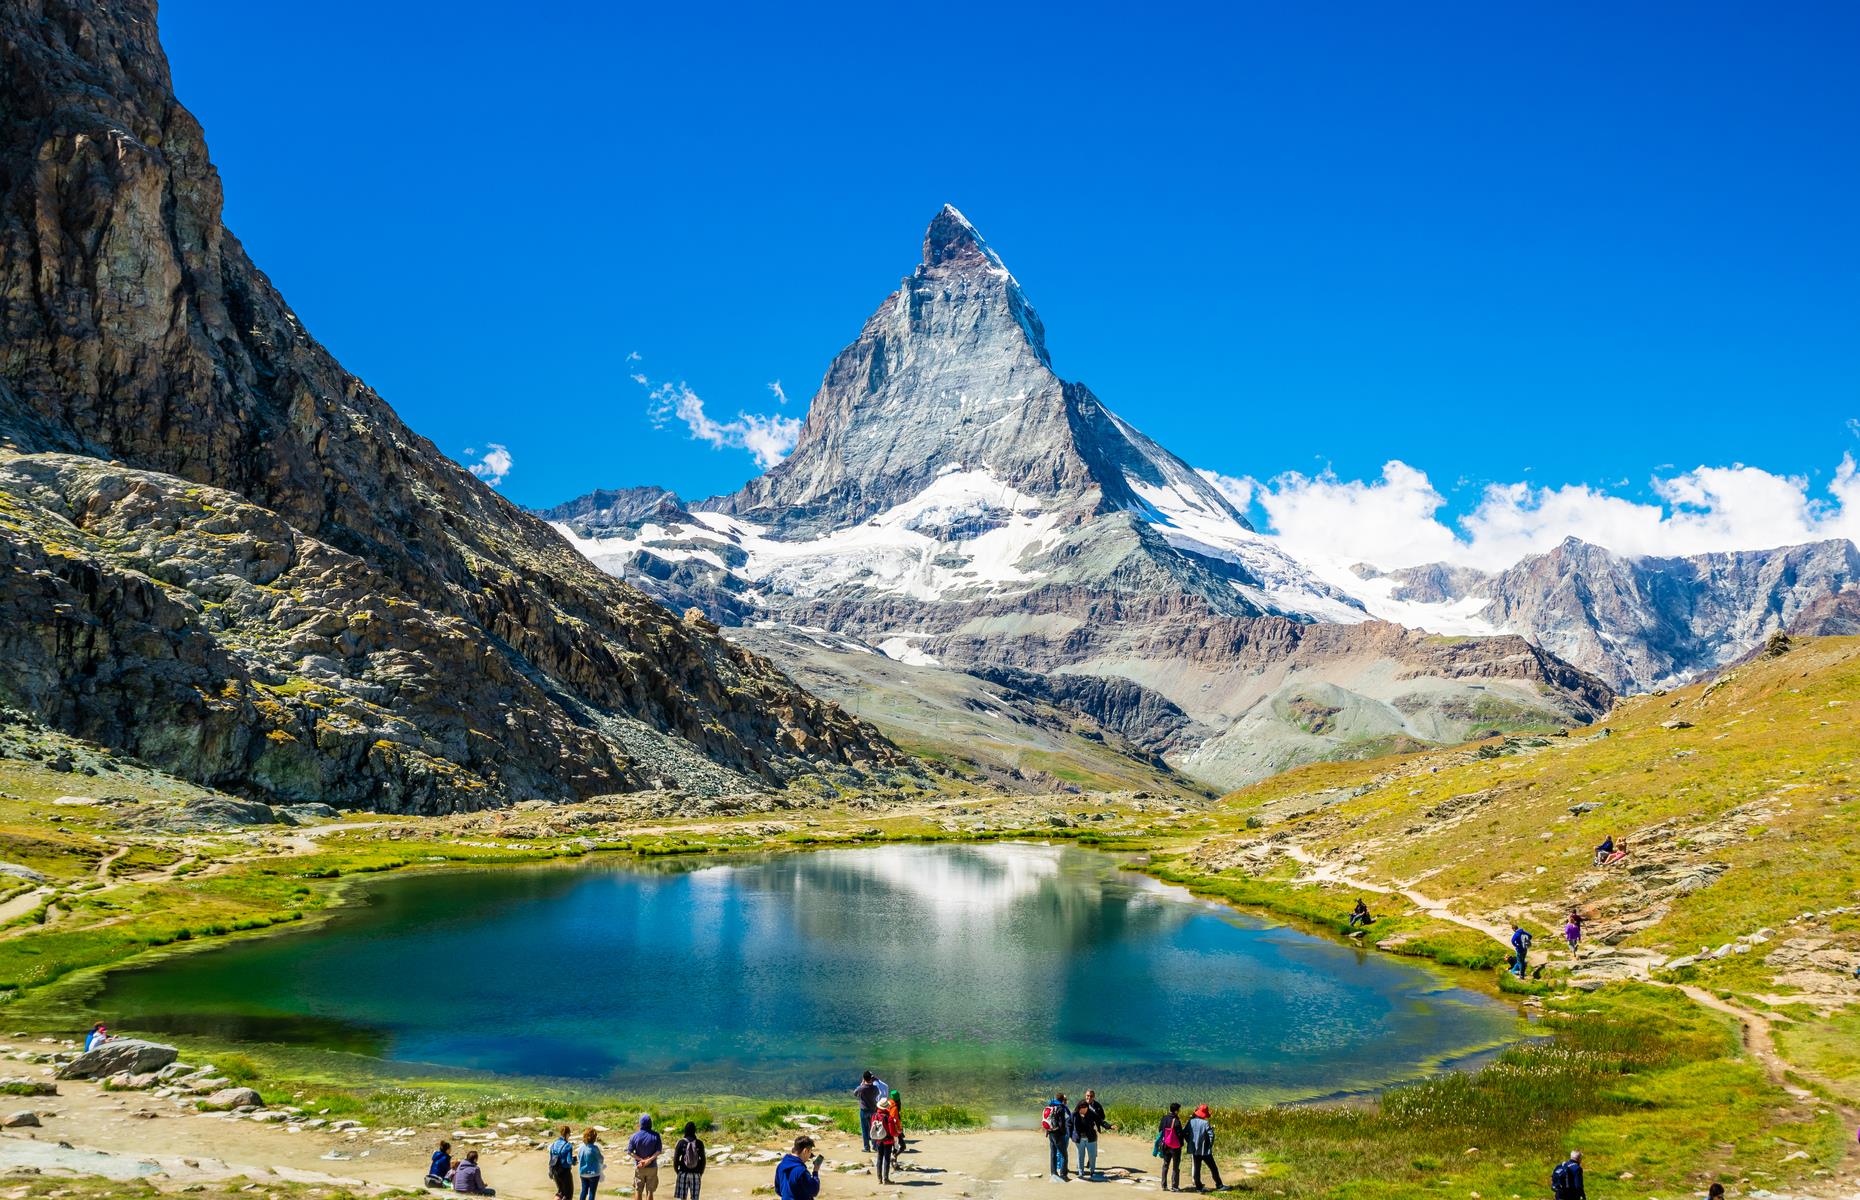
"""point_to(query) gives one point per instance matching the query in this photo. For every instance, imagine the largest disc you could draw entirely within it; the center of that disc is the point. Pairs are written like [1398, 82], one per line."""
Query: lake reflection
[969, 972]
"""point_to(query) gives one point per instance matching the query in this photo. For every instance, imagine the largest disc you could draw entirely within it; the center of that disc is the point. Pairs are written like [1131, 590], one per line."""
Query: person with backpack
[1360, 914]
[1520, 946]
[1056, 1124]
[1087, 1122]
[1566, 1179]
[1201, 1146]
[562, 1166]
[688, 1164]
[644, 1148]
[439, 1171]
[793, 1179]
[1171, 1136]
[867, 1095]
[1572, 931]
[886, 1130]
[590, 1164]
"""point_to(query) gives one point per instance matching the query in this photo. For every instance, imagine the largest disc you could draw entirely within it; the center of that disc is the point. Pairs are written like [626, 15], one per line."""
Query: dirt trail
[130, 1135]
[1321, 872]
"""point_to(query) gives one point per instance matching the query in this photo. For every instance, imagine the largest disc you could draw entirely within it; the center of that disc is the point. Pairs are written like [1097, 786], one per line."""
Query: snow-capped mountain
[1639, 623]
[953, 503]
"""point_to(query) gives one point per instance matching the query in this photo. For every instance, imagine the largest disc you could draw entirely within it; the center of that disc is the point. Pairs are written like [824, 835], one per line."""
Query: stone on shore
[124, 1056]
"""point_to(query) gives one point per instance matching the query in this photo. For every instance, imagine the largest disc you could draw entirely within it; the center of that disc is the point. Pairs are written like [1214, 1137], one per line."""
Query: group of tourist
[577, 1167]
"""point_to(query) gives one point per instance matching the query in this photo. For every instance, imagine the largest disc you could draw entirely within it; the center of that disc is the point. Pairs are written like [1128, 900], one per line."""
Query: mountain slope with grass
[1737, 801]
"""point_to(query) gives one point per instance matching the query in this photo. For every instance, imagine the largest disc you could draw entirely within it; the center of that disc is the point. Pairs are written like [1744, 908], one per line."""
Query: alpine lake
[985, 974]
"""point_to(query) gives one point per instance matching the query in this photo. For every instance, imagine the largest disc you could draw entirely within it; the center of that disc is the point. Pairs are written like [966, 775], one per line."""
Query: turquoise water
[988, 972]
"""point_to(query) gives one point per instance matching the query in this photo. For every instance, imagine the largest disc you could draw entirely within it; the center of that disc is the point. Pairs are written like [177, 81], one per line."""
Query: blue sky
[1555, 245]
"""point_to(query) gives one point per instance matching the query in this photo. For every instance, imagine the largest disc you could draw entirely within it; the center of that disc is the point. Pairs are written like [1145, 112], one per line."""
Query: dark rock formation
[223, 553]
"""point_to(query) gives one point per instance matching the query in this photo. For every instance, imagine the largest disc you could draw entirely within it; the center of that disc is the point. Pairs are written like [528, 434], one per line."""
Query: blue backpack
[1563, 1180]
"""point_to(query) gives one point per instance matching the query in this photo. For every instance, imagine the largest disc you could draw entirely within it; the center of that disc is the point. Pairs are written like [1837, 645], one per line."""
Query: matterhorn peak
[952, 238]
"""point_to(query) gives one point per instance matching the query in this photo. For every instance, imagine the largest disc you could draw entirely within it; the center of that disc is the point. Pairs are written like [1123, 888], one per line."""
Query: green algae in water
[986, 973]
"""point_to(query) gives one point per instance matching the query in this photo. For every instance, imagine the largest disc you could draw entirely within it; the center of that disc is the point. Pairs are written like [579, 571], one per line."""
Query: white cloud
[1239, 492]
[1393, 521]
[781, 397]
[493, 466]
[769, 437]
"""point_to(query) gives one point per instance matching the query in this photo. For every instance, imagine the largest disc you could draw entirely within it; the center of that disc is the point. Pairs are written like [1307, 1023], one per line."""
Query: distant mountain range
[955, 505]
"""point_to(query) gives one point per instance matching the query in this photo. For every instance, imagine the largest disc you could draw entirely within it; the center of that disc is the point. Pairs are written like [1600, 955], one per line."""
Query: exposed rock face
[1641, 623]
[952, 500]
[1834, 615]
[221, 552]
[1139, 715]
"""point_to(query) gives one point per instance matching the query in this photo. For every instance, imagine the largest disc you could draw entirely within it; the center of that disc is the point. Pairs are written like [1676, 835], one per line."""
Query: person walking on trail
[590, 1164]
[1171, 1137]
[1360, 915]
[1604, 850]
[562, 1165]
[1201, 1147]
[439, 1171]
[644, 1148]
[688, 1163]
[867, 1094]
[1566, 1179]
[1087, 1122]
[794, 1180]
[1572, 931]
[1056, 1124]
[1521, 947]
[885, 1131]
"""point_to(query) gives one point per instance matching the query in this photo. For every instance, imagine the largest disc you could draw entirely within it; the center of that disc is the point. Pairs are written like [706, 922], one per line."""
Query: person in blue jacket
[1521, 947]
[439, 1171]
[797, 1175]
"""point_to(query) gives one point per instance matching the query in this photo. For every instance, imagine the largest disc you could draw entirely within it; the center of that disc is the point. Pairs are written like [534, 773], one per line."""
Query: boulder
[227, 1099]
[124, 1056]
[19, 1120]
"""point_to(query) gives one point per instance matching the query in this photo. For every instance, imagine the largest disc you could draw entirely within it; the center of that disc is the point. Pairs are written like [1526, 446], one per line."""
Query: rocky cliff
[223, 553]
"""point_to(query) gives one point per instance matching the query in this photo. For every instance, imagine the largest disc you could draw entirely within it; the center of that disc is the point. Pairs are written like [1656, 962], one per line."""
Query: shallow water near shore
[978, 974]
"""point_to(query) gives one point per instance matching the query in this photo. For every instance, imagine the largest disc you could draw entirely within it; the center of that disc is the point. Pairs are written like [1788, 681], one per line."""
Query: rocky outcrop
[121, 1056]
[223, 553]
[1140, 716]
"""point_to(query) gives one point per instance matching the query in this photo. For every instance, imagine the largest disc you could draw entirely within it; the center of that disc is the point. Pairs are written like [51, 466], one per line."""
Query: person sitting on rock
[98, 1035]
[1620, 855]
[439, 1171]
[1604, 850]
[1360, 915]
[467, 1179]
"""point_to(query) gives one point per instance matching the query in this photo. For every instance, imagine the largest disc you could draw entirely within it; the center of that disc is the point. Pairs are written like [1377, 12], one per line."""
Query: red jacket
[894, 1128]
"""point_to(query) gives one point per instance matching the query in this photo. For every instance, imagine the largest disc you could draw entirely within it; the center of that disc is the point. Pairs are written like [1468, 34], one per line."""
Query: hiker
[867, 1096]
[897, 1113]
[1572, 931]
[644, 1148]
[1087, 1122]
[793, 1179]
[1566, 1180]
[1360, 914]
[688, 1163]
[98, 1035]
[1604, 850]
[885, 1131]
[1171, 1136]
[1201, 1146]
[1620, 855]
[468, 1180]
[1056, 1124]
[439, 1171]
[1715, 1192]
[590, 1164]
[1521, 947]
[562, 1165]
